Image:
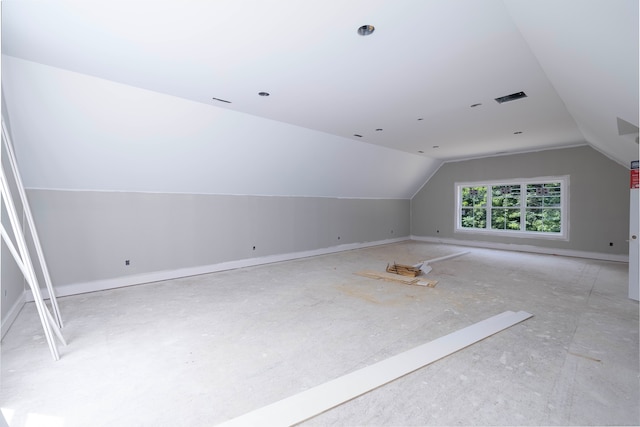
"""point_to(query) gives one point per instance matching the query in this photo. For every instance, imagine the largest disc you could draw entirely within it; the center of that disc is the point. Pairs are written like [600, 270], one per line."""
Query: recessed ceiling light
[421, 152]
[436, 146]
[263, 93]
[221, 100]
[366, 30]
[476, 105]
[359, 136]
[517, 132]
[379, 130]
[420, 119]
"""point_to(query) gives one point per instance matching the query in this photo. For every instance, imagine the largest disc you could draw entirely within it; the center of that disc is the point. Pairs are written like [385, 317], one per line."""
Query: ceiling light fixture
[221, 100]
[420, 119]
[366, 30]
[263, 93]
[359, 136]
[436, 146]
[420, 151]
[476, 105]
[517, 132]
[379, 130]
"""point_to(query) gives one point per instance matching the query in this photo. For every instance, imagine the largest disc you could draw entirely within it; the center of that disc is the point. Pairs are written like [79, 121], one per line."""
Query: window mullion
[523, 207]
[489, 204]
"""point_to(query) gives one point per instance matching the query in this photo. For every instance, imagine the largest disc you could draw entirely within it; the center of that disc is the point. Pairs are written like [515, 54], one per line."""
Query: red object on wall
[635, 179]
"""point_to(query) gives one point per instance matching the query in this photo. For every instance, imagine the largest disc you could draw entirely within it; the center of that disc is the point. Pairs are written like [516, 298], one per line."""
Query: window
[527, 208]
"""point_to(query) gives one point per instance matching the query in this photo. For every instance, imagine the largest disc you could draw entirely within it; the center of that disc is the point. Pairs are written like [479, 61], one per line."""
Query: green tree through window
[474, 207]
[543, 207]
[505, 214]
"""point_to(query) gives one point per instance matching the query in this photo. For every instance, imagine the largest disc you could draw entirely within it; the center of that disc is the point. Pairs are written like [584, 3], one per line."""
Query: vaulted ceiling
[140, 84]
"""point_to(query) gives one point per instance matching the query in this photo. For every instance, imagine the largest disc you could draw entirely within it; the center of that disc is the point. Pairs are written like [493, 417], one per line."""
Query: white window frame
[564, 208]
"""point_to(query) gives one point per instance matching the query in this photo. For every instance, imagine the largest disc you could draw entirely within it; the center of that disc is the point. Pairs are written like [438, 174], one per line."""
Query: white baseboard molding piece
[309, 403]
[156, 276]
[11, 316]
[525, 248]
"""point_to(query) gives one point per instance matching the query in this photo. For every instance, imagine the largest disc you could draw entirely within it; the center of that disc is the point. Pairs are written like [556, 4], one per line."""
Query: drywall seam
[309, 403]
[138, 279]
[524, 248]
[11, 316]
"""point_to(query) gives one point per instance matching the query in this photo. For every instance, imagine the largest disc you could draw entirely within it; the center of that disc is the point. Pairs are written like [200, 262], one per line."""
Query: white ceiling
[415, 77]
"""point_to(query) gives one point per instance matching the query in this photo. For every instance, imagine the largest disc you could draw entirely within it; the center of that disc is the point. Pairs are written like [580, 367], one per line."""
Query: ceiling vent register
[511, 97]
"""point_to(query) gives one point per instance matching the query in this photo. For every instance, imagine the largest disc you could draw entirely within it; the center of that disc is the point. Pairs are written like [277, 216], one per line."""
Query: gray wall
[88, 235]
[11, 279]
[13, 283]
[598, 191]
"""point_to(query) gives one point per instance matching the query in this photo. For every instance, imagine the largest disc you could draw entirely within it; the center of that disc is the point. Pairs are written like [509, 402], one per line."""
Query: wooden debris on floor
[391, 277]
[404, 270]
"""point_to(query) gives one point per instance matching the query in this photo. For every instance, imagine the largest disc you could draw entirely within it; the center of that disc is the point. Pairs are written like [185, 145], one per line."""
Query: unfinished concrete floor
[200, 350]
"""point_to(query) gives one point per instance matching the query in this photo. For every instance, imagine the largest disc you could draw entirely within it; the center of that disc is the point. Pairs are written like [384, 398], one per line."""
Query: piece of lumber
[404, 270]
[442, 258]
[309, 403]
[390, 277]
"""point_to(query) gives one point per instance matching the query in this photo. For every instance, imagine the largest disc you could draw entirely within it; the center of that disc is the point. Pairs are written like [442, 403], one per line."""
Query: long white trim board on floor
[312, 402]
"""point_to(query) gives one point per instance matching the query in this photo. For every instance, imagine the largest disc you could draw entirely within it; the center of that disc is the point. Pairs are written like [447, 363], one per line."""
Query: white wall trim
[119, 282]
[525, 248]
[11, 316]
[138, 279]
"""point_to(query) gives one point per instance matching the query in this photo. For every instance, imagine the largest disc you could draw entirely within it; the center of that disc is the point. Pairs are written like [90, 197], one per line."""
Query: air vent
[511, 97]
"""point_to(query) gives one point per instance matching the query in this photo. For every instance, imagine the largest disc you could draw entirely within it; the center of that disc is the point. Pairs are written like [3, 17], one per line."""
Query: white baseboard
[11, 316]
[525, 248]
[119, 282]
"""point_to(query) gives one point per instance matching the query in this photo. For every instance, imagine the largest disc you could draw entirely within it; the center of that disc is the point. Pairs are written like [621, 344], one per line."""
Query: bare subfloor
[200, 350]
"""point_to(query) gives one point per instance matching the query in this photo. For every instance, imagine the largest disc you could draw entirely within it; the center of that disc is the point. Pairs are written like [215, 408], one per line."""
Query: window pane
[474, 196]
[505, 195]
[474, 218]
[542, 195]
[546, 220]
[553, 196]
[505, 219]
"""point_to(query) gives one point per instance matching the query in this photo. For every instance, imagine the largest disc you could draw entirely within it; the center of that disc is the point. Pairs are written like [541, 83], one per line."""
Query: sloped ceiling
[120, 95]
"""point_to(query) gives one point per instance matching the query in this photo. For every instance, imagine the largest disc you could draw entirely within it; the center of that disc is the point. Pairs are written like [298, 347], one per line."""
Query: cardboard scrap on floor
[391, 277]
